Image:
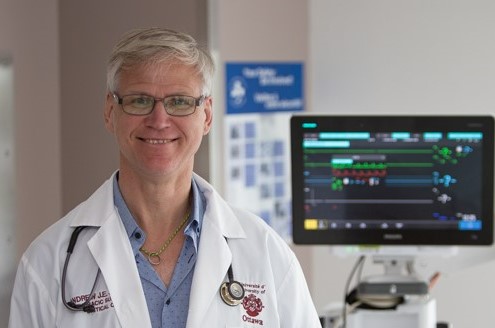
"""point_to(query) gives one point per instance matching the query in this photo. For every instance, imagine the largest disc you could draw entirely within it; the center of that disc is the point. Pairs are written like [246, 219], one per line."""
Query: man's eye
[180, 101]
[142, 101]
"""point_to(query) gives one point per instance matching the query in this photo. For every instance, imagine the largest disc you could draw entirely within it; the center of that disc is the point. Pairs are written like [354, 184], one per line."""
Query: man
[160, 247]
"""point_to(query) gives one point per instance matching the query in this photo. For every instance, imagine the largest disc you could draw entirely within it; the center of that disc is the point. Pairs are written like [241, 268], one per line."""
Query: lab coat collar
[94, 212]
[218, 212]
[214, 257]
[112, 252]
[97, 208]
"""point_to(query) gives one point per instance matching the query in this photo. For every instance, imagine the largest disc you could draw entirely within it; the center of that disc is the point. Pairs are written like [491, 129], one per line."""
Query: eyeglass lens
[174, 105]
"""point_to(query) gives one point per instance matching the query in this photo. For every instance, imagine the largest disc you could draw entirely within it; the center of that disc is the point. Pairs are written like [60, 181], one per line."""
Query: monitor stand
[415, 312]
[398, 279]
[397, 298]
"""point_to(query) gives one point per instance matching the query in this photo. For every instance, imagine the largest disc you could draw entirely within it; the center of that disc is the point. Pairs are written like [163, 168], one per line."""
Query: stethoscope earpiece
[232, 293]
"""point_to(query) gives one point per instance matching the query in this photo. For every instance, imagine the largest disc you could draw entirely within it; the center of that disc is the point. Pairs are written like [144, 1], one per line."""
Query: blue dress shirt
[167, 305]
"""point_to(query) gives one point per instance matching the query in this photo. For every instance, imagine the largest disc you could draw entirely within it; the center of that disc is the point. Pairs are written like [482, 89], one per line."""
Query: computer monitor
[392, 180]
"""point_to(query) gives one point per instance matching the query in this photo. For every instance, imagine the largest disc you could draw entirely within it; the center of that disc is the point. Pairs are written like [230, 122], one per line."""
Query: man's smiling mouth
[157, 141]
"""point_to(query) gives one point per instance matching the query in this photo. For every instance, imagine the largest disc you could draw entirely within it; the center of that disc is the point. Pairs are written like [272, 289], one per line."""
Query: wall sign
[264, 87]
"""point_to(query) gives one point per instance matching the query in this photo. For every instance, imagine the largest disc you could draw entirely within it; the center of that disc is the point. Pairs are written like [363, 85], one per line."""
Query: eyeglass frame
[197, 102]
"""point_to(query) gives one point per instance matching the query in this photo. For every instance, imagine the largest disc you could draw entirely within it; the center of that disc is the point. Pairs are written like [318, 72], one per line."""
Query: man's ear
[208, 115]
[108, 112]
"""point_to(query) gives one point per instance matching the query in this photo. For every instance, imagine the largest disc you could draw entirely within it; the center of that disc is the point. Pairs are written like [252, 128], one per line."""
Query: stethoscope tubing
[86, 306]
[228, 296]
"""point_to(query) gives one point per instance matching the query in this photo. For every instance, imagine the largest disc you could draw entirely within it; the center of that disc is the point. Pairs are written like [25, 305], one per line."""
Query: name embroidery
[101, 300]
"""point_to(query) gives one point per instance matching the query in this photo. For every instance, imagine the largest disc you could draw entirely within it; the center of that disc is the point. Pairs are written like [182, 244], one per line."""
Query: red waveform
[359, 173]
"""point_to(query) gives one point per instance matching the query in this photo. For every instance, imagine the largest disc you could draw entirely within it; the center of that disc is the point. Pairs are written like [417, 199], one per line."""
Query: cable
[433, 280]
[360, 272]
[357, 266]
[339, 322]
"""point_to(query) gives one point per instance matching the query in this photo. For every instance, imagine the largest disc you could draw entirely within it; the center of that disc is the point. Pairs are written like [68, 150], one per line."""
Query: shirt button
[137, 235]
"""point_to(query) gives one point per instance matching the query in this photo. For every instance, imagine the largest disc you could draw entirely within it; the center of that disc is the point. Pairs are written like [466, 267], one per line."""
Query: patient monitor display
[392, 180]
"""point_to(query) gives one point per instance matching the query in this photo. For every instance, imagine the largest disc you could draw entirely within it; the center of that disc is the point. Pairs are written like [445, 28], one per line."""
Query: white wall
[402, 56]
[406, 57]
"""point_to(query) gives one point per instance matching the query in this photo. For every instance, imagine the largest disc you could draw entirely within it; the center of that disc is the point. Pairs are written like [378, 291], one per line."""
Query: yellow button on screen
[311, 224]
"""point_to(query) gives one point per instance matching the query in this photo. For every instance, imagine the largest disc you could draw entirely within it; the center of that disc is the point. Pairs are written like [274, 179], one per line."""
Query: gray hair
[155, 45]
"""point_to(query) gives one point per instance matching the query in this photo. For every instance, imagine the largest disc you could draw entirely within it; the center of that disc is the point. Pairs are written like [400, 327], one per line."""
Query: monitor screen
[392, 180]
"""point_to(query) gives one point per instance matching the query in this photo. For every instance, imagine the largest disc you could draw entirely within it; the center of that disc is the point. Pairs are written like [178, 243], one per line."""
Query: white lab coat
[262, 261]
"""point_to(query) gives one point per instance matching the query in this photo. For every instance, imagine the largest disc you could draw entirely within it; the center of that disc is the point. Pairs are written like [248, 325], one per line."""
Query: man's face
[158, 144]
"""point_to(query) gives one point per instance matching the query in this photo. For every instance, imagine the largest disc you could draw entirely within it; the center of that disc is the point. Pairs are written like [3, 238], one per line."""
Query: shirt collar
[192, 230]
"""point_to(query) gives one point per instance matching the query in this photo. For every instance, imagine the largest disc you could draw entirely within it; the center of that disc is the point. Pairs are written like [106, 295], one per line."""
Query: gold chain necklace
[154, 257]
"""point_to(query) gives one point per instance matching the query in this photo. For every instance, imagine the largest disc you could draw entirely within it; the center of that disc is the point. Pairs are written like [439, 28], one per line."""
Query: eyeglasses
[144, 105]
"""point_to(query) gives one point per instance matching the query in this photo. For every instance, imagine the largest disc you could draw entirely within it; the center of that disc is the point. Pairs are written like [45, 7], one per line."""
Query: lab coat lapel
[214, 255]
[212, 264]
[112, 251]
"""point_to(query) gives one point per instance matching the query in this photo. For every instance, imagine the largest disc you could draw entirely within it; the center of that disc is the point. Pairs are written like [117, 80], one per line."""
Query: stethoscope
[232, 292]
[86, 306]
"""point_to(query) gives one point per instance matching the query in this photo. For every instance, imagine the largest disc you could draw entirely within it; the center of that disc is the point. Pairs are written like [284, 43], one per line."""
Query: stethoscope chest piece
[232, 293]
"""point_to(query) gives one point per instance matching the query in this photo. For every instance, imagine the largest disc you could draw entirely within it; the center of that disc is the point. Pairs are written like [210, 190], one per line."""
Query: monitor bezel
[382, 123]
